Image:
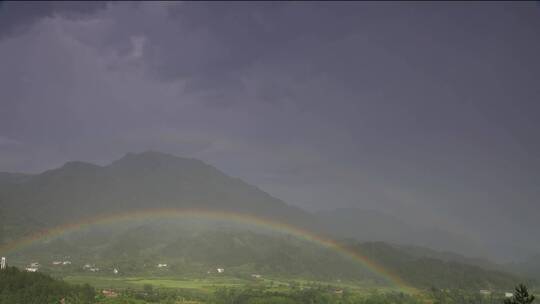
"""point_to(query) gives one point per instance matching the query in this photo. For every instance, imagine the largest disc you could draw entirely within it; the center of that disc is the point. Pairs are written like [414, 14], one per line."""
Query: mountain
[189, 251]
[427, 272]
[371, 225]
[7, 178]
[151, 179]
[529, 267]
[79, 190]
[449, 256]
[136, 181]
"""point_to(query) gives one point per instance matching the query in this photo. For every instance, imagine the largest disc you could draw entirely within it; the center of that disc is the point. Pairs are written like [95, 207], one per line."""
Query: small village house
[109, 293]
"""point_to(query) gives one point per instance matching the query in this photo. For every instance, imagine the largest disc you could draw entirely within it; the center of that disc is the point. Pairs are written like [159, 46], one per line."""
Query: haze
[424, 111]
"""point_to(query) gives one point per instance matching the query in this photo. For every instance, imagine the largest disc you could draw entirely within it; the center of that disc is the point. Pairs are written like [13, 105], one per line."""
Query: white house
[91, 268]
[161, 265]
[31, 269]
[56, 262]
[3, 263]
[115, 271]
[34, 264]
[220, 270]
[508, 294]
[66, 263]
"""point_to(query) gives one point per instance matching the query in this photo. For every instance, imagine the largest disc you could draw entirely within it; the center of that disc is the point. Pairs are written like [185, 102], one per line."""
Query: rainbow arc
[234, 217]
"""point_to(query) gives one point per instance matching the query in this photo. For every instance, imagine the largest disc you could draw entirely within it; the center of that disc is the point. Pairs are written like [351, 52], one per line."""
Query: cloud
[17, 16]
[6, 141]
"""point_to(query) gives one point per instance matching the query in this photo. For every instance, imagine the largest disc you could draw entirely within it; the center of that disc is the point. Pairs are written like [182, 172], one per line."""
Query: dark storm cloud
[16, 16]
[425, 110]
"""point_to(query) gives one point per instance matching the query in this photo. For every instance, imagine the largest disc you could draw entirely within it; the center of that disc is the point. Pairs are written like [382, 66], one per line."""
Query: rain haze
[425, 112]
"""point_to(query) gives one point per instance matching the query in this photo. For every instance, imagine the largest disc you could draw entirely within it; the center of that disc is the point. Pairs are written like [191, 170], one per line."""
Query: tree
[521, 296]
[149, 289]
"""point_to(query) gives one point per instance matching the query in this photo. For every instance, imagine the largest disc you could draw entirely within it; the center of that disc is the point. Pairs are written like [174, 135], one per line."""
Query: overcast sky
[426, 110]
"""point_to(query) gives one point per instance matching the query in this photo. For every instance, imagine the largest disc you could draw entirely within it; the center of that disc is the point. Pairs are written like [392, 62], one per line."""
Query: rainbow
[212, 215]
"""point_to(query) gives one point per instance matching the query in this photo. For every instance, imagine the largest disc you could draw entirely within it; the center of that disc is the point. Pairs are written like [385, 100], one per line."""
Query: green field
[209, 285]
[202, 285]
[217, 289]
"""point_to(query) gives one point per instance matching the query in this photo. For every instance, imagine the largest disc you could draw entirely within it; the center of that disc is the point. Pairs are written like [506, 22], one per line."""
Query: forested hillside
[428, 272]
[36, 288]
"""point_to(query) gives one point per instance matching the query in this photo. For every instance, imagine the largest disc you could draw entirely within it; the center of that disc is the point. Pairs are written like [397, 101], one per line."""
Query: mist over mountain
[153, 180]
[148, 180]
[371, 225]
[529, 267]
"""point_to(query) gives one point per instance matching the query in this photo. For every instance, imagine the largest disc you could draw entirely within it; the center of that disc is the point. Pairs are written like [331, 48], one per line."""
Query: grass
[201, 285]
[210, 284]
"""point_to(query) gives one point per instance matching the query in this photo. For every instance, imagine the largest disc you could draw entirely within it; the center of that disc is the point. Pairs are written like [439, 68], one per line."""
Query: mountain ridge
[146, 180]
[154, 180]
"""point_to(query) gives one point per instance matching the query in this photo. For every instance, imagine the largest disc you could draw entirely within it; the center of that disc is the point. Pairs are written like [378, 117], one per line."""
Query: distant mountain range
[371, 225]
[157, 180]
[529, 267]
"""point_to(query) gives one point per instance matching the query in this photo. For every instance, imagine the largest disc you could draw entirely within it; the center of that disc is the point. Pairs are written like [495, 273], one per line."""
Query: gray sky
[425, 110]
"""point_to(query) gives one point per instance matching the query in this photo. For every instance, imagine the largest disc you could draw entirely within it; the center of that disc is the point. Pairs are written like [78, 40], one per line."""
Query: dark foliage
[36, 288]
[521, 296]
